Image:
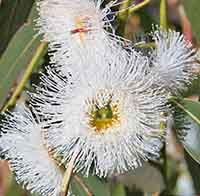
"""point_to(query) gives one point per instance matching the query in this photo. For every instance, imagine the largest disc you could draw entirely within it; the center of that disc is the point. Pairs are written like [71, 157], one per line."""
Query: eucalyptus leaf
[98, 187]
[12, 18]
[189, 116]
[191, 108]
[191, 141]
[17, 56]
[192, 153]
[194, 169]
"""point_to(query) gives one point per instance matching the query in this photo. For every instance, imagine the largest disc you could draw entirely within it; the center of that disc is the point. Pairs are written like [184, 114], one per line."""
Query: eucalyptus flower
[23, 145]
[109, 114]
[174, 60]
[75, 25]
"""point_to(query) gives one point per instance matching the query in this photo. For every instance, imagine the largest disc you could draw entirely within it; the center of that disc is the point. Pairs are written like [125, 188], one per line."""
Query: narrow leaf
[191, 108]
[12, 18]
[17, 57]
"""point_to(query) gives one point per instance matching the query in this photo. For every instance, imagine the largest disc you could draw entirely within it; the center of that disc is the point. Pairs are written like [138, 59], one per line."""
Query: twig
[163, 14]
[40, 50]
[139, 6]
[67, 176]
[123, 16]
[83, 185]
[145, 45]
[125, 11]
[163, 25]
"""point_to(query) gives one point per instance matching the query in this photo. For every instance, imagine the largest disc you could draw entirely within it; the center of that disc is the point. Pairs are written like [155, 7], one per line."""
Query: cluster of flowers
[101, 102]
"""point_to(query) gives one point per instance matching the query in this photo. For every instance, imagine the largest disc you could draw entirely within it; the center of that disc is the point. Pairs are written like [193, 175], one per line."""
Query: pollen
[103, 118]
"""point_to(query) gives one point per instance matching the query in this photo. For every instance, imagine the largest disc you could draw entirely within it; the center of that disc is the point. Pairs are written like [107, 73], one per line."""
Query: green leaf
[191, 108]
[192, 10]
[194, 169]
[191, 141]
[192, 153]
[17, 56]
[13, 14]
[97, 186]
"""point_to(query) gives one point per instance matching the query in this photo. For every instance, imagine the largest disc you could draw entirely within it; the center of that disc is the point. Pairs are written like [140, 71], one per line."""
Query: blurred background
[23, 56]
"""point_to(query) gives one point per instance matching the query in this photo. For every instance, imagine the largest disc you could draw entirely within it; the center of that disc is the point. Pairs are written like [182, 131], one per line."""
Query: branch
[40, 51]
[67, 176]
[139, 6]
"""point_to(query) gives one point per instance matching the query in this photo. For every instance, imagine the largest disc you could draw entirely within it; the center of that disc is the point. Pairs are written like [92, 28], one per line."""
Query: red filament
[79, 30]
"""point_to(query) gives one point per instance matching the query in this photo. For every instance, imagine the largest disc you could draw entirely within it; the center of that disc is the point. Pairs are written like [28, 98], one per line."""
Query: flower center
[102, 118]
[80, 29]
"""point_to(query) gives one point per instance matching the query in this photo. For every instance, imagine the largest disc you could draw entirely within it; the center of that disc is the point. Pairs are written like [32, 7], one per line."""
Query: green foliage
[95, 185]
[191, 108]
[21, 49]
[13, 14]
[17, 56]
[194, 168]
[191, 140]
[192, 10]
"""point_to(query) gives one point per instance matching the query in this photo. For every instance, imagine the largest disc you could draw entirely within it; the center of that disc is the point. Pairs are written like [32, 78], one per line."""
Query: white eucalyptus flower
[108, 113]
[75, 29]
[23, 146]
[174, 60]
[73, 25]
